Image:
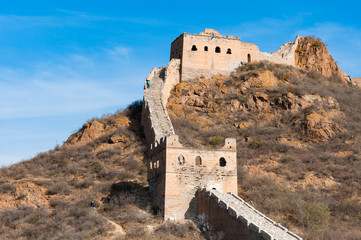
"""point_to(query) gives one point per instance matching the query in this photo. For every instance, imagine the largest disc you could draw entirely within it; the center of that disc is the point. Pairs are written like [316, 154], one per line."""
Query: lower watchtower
[175, 173]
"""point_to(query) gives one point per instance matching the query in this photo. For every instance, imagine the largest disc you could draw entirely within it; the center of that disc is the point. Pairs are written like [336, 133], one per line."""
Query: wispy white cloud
[16, 22]
[267, 27]
[70, 18]
[70, 84]
[81, 59]
[120, 52]
[42, 98]
[148, 21]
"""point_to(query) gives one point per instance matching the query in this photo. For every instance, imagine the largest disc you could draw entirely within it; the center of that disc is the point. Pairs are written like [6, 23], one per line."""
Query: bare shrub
[176, 229]
[60, 187]
[216, 140]
[136, 233]
[7, 188]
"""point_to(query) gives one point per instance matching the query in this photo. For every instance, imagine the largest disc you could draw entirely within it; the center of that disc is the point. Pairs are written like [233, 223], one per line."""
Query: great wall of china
[191, 183]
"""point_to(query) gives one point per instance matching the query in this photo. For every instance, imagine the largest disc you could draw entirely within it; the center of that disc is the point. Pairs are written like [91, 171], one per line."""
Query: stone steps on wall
[158, 115]
[253, 217]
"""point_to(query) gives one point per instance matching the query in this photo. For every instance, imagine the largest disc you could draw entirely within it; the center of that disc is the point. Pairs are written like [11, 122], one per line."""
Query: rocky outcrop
[89, 131]
[311, 54]
[95, 128]
[307, 53]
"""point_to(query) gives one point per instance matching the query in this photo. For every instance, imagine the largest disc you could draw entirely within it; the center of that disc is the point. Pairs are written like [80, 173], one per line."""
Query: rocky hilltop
[311, 54]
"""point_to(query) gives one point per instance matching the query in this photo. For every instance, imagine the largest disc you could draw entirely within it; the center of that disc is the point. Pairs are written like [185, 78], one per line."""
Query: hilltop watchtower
[209, 53]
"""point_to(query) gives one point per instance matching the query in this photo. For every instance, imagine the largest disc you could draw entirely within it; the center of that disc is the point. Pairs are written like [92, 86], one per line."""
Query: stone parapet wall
[172, 78]
[209, 53]
[175, 173]
[200, 168]
[146, 122]
[155, 119]
[284, 55]
[156, 164]
[199, 55]
[231, 215]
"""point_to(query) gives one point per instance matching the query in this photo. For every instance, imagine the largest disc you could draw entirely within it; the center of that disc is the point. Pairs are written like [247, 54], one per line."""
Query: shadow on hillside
[123, 193]
[134, 113]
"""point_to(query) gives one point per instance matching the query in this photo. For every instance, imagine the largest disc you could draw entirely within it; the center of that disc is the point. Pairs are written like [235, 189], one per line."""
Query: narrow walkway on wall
[159, 117]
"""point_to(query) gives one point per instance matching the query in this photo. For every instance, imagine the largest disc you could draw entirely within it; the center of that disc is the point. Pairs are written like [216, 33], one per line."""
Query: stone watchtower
[209, 53]
[175, 173]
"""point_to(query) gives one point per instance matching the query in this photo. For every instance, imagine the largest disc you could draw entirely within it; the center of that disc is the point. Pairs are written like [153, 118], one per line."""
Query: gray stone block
[253, 227]
[266, 236]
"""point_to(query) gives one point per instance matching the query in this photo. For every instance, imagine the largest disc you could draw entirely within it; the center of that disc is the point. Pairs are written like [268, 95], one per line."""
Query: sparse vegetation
[297, 143]
[48, 197]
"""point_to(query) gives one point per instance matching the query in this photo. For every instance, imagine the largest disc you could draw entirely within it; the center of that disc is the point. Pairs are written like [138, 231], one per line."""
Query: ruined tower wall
[172, 78]
[173, 184]
[156, 164]
[146, 122]
[200, 168]
[176, 48]
[284, 55]
[208, 54]
[198, 55]
[209, 63]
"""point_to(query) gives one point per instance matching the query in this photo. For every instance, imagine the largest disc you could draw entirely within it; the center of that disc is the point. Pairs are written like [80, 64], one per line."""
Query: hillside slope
[298, 142]
[48, 197]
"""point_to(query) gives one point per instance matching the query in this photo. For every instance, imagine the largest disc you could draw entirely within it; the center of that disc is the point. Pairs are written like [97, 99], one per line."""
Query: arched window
[194, 48]
[218, 49]
[222, 162]
[181, 160]
[206, 48]
[229, 51]
[198, 160]
[249, 57]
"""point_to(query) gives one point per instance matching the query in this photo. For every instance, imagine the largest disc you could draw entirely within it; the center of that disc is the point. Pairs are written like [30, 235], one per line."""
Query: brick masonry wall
[236, 219]
[209, 63]
[184, 179]
[199, 57]
[174, 184]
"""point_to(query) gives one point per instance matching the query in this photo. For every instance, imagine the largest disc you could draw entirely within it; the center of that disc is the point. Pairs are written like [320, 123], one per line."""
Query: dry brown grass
[48, 197]
[307, 184]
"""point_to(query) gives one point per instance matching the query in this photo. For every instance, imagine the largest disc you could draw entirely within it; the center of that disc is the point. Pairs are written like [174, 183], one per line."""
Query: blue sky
[65, 62]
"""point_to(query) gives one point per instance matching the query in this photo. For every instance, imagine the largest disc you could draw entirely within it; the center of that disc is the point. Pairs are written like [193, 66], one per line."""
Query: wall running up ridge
[155, 119]
[225, 212]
